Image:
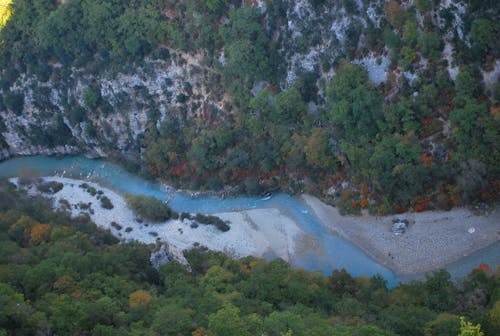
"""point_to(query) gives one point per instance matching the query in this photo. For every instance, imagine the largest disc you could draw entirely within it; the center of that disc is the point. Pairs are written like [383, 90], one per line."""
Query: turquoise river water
[336, 253]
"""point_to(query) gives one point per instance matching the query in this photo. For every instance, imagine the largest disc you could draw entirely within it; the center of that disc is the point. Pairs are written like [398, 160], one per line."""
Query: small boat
[266, 197]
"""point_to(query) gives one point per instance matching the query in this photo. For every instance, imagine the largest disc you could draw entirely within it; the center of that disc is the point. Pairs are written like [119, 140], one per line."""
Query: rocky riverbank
[256, 232]
[432, 240]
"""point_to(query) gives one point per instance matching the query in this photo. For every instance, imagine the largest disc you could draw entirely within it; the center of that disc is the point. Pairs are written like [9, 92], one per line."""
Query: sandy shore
[433, 239]
[259, 232]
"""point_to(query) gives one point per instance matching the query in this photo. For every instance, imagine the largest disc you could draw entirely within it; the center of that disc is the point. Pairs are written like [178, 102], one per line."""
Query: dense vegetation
[62, 276]
[155, 210]
[150, 208]
[426, 142]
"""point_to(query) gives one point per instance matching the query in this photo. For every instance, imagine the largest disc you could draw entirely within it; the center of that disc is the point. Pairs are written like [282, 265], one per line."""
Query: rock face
[165, 254]
[128, 104]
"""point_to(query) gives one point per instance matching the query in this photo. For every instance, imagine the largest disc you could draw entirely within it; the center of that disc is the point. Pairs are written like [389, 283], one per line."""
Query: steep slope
[209, 93]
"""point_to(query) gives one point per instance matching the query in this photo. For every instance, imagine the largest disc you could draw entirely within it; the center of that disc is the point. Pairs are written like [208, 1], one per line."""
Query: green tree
[289, 107]
[139, 30]
[172, 319]
[444, 324]
[410, 33]
[468, 329]
[149, 207]
[494, 318]
[282, 323]
[407, 321]
[227, 322]
[247, 48]
[430, 45]
[483, 34]
[408, 57]
[424, 5]
[391, 39]
[356, 108]
[218, 279]
[475, 133]
[99, 18]
[468, 84]
[213, 5]
[318, 150]
[439, 290]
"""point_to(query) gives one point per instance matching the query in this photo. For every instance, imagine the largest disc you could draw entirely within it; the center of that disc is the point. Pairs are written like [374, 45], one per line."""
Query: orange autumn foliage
[495, 111]
[245, 269]
[363, 203]
[200, 331]
[421, 205]
[39, 233]
[484, 268]
[395, 13]
[153, 170]
[139, 298]
[426, 160]
[399, 208]
[364, 189]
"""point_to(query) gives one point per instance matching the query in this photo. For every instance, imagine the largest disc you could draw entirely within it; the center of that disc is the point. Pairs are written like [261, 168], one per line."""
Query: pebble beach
[433, 239]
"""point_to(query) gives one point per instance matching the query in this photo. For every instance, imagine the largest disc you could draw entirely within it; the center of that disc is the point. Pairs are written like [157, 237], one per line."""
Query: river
[336, 253]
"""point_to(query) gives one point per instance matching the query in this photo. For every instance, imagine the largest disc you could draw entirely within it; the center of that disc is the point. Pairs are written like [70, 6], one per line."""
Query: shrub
[150, 208]
[117, 226]
[92, 191]
[129, 229]
[212, 220]
[106, 203]
[50, 187]
[64, 202]
[84, 206]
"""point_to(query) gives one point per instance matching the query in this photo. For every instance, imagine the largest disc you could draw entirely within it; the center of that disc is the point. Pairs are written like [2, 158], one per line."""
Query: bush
[212, 220]
[84, 206]
[92, 191]
[118, 226]
[149, 208]
[106, 203]
[50, 187]
[65, 203]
